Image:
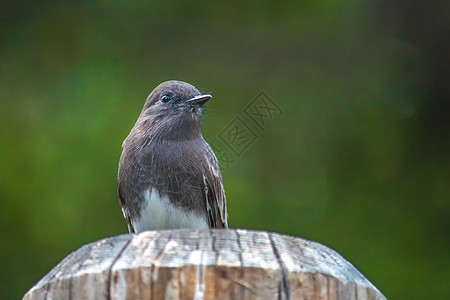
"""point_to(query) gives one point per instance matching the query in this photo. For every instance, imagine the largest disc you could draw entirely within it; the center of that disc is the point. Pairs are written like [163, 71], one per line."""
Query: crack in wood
[46, 289]
[241, 262]
[284, 278]
[108, 286]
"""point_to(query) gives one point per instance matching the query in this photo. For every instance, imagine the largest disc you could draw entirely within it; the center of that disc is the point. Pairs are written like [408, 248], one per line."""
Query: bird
[168, 175]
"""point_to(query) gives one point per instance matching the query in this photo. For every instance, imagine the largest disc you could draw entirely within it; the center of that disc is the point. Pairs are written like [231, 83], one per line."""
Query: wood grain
[210, 264]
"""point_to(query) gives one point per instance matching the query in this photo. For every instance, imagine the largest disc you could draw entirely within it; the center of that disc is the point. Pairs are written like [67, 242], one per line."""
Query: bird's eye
[165, 98]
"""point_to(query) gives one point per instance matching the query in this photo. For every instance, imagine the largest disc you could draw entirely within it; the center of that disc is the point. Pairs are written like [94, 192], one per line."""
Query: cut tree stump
[210, 264]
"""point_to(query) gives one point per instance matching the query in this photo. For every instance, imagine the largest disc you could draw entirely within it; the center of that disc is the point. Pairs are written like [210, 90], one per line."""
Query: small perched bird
[168, 175]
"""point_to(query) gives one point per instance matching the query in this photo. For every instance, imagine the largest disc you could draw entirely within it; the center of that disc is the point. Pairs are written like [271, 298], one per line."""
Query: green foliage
[357, 161]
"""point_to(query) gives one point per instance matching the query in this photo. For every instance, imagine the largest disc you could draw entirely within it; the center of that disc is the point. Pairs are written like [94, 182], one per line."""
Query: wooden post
[194, 264]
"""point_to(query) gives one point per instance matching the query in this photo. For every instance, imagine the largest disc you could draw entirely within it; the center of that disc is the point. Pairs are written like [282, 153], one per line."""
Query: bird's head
[175, 108]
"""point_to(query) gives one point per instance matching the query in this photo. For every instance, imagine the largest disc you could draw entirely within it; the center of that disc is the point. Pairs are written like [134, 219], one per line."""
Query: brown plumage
[168, 175]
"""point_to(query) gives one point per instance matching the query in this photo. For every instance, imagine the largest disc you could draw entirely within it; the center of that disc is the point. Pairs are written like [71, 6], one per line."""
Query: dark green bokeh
[359, 160]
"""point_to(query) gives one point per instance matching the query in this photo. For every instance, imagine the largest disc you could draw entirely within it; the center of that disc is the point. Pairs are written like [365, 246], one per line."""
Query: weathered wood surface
[193, 264]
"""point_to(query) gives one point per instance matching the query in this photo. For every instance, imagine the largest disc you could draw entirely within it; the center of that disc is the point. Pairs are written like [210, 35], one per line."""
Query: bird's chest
[171, 155]
[158, 212]
[172, 167]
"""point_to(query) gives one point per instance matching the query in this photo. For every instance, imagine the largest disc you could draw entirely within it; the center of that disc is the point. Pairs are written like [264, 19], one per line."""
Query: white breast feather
[159, 213]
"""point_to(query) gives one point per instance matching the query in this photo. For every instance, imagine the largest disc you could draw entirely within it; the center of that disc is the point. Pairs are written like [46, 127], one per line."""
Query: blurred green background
[359, 160]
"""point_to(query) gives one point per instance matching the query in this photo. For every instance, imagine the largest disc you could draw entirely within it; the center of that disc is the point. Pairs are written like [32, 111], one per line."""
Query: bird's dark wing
[216, 203]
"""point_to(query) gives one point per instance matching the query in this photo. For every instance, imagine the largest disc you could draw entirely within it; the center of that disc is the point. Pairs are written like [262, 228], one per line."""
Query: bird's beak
[199, 100]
